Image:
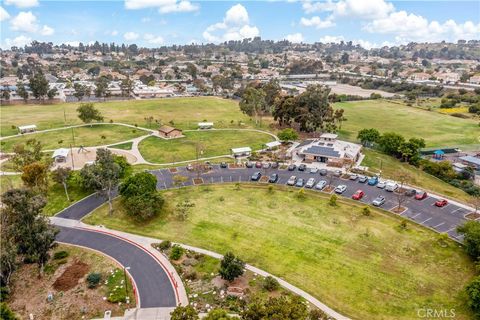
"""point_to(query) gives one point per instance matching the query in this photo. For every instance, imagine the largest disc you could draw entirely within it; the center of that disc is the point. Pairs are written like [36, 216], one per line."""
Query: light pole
[127, 298]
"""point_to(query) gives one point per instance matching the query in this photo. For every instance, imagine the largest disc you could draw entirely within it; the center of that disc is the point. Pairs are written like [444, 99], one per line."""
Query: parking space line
[456, 210]
[416, 215]
[438, 225]
[451, 229]
[426, 220]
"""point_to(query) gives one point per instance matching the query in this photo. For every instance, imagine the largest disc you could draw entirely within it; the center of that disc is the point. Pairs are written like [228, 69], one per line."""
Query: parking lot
[444, 219]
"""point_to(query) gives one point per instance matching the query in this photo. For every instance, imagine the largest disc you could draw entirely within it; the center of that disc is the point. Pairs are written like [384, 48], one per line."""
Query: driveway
[154, 288]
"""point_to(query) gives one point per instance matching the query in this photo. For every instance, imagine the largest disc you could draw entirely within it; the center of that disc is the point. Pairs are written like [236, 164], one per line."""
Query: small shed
[438, 154]
[205, 125]
[27, 128]
[272, 145]
[241, 152]
[169, 132]
[60, 155]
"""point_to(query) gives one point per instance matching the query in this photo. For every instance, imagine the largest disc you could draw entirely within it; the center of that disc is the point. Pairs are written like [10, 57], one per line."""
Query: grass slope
[364, 267]
[86, 136]
[437, 129]
[214, 143]
[185, 112]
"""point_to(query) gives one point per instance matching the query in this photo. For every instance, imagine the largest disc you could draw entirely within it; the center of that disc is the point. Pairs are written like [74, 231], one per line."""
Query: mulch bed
[472, 216]
[235, 166]
[173, 170]
[328, 189]
[70, 277]
[197, 181]
[264, 179]
[398, 210]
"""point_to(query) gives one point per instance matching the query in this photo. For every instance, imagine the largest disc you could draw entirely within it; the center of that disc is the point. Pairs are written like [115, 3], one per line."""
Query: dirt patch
[264, 179]
[328, 189]
[398, 210]
[71, 276]
[472, 216]
[197, 181]
[173, 170]
[235, 166]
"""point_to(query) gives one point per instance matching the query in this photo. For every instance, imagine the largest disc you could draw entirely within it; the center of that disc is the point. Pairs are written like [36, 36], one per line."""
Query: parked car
[381, 184]
[249, 164]
[256, 176]
[292, 167]
[420, 195]
[274, 165]
[362, 179]
[313, 170]
[353, 177]
[223, 165]
[208, 165]
[358, 195]
[340, 189]
[410, 192]
[378, 201]
[300, 182]
[310, 183]
[302, 167]
[391, 186]
[189, 167]
[441, 203]
[273, 178]
[291, 181]
[320, 184]
[323, 172]
[266, 165]
[337, 173]
[258, 165]
[372, 181]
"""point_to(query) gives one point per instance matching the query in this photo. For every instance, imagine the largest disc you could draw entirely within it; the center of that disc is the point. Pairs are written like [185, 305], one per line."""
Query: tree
[390, 143]
[101, 86]
[191, 70]
[409, 150]
[6, 313]
[39, 85]
[313, 109]
[217, 314]
[475, 203]
[368, 136]
[5, 94]
[103, 176]
[231, 267]
[471, 241]
[184, 313]
[22, 91]
[61, 176]
[126, 87]
[473, 293]
[35, 176]
[345, 58]
[282, 308]
[284, 109]
[87, 113]
[253, 102]
[80, 91]
[288, 134]
[125, 167]
[25, 154]
[183, 208]
[403, 179]
[138, 184]
[272, 90]
[52, 93]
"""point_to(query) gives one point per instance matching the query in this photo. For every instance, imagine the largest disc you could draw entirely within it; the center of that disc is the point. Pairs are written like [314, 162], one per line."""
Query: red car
[358, 195]
[421, 195]
[258, 165]
[441, 203]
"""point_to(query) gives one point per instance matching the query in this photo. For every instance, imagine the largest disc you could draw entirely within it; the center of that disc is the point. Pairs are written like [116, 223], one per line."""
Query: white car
[353, 177]
[381, 184]
[391, 186]
[340, 189]
[321, 184]
[310, 183]
[292, 180]
[314, 170]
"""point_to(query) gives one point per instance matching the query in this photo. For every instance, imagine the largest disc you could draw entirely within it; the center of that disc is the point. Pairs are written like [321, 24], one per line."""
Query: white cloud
[164, 6]
[47, 31]
[4, 14]
[295, 37]
[131, 36]
[362, 9]
[24, 21]
[235, 26]
[317, 22]
[72, 43]
[145, 19]
[114, 33]
[152, 39]
[22, 3]
[19, 41]
[331, 39]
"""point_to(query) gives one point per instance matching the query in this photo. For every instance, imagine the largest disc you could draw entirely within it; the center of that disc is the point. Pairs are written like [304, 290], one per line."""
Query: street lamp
[127, 298]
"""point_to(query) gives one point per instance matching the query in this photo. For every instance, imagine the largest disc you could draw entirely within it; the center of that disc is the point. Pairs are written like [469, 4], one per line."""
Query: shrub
[366, 211]
[301, 194]
[473, 292]
[403, 225]
[60, 255]
[93, 279]
[231, 267]
[164, 245]
[333, 200]
[6, 313]
[270, 284]
[176, 253]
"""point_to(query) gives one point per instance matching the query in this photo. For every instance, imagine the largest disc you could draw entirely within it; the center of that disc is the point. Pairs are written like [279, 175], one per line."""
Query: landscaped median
[366, 265]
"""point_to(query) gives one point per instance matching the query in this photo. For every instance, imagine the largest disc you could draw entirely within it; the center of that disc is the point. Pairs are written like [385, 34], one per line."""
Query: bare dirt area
[88, 155]
[65, 281]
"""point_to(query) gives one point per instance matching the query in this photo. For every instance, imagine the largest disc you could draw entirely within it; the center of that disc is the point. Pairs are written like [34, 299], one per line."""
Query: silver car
[310, 183]
[353, 177]
[321, 184]
[340, 189]
[313, 170]
[381, 184]
[378, 201]
[292, 180]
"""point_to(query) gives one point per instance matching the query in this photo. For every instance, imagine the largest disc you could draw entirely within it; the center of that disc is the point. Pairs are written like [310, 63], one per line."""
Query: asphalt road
[83, 207]
[424, 211]
[153, 285]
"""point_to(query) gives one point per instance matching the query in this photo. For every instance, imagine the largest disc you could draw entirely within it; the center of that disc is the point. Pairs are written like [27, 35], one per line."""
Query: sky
[153, 23]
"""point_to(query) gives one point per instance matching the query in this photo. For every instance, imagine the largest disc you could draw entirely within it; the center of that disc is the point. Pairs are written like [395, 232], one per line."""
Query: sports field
[366, 267]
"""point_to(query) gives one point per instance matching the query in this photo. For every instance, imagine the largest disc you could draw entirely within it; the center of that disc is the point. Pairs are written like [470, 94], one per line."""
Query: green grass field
[84, 136]
[366, 267]
[391, 167]
[184, 112]
[437, 129]
[214, 143]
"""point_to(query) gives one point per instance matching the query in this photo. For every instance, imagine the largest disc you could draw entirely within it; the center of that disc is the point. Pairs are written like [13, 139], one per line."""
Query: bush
[473, 292]
[60, 255]
[176, 253]
[366, 211]
[164, 245]
[231, 267]
[93, 279]
[333, 200]
[6, 313]
[270, 284]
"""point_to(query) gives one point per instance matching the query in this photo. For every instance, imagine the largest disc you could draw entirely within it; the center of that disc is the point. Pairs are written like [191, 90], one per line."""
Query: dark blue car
[256, 176]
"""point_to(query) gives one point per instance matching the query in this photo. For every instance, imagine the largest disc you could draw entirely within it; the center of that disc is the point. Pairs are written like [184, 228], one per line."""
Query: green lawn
[364, 267]
[437, 129]
[214, 143]
[122, 146]
[391, 167]
[184, 112]
[87, 136]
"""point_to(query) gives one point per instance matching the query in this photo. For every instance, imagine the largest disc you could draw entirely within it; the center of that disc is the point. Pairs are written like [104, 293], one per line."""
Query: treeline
[397, 146]
[452, 99]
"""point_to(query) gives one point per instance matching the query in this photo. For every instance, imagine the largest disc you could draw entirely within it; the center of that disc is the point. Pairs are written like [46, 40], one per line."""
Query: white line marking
[438, 225]
[416, 215]
[426, 220]
[451, 229]
[456, 210]
[165, 184]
